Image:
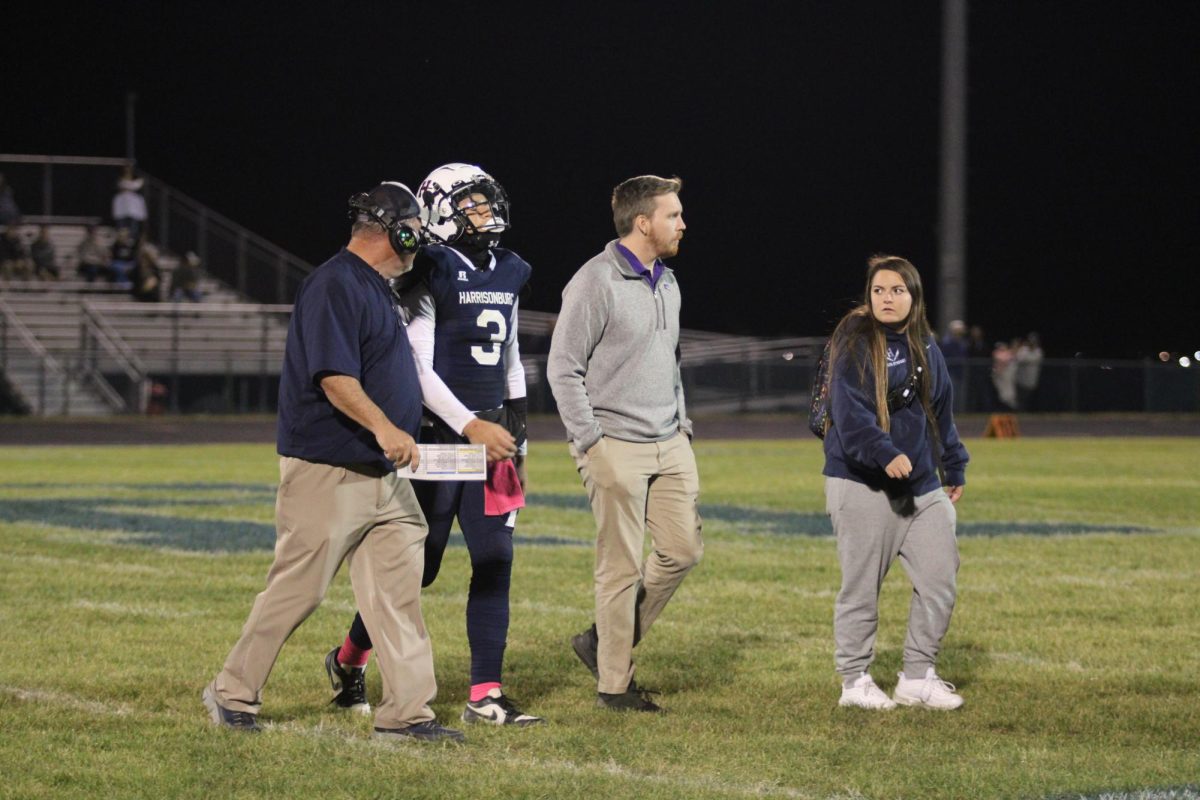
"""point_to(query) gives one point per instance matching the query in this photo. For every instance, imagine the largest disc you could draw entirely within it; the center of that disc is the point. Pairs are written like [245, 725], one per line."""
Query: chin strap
[483, 241]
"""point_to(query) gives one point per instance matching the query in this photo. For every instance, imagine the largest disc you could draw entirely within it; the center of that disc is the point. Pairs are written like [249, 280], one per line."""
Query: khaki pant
[325, 515]
[635, 486]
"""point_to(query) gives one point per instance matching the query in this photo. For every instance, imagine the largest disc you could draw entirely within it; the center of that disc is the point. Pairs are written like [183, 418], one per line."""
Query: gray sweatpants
[872, 530]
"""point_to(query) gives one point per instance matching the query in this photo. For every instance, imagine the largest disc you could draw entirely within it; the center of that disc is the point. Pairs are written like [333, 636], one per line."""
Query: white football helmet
[446, 196]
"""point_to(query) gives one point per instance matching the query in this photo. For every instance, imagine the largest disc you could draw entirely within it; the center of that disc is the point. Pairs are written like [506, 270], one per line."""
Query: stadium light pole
[130, 119]
[952, 195]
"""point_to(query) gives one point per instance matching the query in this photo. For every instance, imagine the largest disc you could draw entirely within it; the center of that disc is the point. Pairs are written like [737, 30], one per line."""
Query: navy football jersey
[474, 318]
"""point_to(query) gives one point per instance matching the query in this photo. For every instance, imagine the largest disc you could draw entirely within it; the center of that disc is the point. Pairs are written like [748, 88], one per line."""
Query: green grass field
[127, 572]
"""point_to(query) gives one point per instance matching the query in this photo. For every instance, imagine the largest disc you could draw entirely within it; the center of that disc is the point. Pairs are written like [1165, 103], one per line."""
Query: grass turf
[127, 572]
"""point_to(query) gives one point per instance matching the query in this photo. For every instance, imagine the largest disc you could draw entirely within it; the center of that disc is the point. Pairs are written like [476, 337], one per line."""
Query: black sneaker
[429, 731]
[634, 698]
[227, 717]
[351, 681]
[498, 710]
[586, 644]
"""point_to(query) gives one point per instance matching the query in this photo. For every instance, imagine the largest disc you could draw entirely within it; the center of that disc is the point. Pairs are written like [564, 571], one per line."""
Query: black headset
[401, 205]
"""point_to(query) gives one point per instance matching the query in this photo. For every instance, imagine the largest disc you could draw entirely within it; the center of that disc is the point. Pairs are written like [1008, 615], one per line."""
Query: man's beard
[667, 247]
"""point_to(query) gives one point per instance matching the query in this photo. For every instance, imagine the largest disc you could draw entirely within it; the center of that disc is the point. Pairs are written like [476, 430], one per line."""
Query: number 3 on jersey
[489, 355]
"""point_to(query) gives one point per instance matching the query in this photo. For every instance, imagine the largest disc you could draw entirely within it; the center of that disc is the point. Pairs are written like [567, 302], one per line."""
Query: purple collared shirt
[651, 277]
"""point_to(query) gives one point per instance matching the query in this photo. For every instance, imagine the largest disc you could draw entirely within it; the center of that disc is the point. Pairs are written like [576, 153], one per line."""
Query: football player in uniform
[461, 302]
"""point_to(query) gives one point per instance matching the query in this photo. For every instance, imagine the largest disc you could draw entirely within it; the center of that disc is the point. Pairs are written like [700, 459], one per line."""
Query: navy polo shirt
[344, 322]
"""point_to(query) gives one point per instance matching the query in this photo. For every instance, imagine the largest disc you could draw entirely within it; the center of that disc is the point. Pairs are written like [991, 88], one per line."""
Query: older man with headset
[349, 407]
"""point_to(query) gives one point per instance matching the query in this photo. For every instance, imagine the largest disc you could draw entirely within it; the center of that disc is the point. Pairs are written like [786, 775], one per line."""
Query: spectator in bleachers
[41, 252]
[14, 255]
[128, 205]
[95, 257]
[124, 256]
[185, 280]
[10, 214]
[147, 276]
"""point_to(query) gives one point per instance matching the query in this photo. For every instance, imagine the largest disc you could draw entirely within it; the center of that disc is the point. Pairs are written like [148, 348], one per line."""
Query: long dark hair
[862, 337]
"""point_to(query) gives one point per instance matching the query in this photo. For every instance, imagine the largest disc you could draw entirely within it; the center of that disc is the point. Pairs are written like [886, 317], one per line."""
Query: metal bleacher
[75, 347]
[67, 233]
[68, 346]
[78, 348]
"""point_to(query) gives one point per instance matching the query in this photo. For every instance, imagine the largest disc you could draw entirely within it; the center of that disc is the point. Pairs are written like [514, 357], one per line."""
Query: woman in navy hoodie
[890, 449]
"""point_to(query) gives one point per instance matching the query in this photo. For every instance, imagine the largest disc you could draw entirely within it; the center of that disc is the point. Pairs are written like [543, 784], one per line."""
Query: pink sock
[480, 690]
[352, 656]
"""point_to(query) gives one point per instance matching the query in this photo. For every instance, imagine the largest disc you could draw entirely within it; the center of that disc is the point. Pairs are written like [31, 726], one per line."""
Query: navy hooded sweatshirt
[857, 449]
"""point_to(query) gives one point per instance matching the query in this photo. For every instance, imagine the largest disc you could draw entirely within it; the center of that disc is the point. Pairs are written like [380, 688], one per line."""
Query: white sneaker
[929, 692]
[863, 693]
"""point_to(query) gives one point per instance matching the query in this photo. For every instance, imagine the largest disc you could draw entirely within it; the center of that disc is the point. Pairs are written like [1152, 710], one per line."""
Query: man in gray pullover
[614, 371]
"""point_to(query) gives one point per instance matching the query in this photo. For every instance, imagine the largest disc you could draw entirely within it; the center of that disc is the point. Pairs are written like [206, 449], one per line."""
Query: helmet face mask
[454, 198]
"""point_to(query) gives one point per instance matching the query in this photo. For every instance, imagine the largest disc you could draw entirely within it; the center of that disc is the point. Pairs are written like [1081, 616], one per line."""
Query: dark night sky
[806, 134]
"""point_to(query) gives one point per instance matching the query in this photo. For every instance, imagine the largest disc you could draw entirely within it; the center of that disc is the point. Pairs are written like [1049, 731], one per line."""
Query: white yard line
[340, 606]
[67, 701]
[1034, 661]
[547, 608]
[97, 565]
[124, 609]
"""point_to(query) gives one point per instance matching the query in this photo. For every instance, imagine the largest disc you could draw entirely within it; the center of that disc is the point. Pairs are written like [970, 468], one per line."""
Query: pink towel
[502, 492]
